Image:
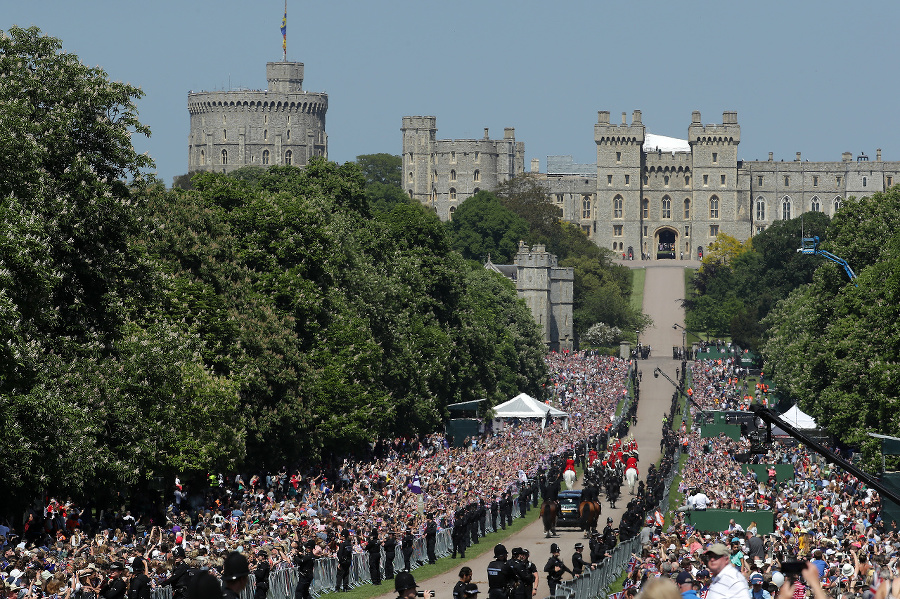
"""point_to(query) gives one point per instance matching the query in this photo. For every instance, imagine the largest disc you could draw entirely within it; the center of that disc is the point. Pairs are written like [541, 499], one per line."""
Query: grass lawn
[638, 276]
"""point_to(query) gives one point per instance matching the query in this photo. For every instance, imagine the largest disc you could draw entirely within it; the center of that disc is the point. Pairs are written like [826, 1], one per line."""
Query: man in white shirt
[701, 501]
[727, 581]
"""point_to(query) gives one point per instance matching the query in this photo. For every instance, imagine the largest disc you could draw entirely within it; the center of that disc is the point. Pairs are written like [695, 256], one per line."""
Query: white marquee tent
[799, 419]
[525, 406]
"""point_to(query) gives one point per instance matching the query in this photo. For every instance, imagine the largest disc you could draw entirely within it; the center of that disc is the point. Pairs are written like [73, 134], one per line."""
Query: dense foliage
[835, 347]
[267, 317]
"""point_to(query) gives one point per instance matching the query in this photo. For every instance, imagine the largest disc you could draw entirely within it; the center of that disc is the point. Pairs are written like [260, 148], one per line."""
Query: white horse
[569, 478]
[631, 476]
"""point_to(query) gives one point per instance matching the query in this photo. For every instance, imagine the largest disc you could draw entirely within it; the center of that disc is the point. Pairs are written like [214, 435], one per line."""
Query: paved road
[664, 286]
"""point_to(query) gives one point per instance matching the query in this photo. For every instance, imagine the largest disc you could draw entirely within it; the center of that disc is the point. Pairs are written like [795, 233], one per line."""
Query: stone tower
[547, 289]
[419, 134]
[619, 169]
[718, 206]
[279, 125]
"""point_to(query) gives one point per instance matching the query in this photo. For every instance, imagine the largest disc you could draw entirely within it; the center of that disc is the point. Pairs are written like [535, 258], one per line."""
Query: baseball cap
[684, 577]
[718, 549]
[757, 578]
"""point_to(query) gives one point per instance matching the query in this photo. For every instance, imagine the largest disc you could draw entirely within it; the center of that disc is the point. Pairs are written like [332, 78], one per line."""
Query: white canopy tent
[525, 406]
[798, 419]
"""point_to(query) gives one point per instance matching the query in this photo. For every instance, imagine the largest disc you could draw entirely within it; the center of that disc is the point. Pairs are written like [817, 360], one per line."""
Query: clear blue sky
[818, 77]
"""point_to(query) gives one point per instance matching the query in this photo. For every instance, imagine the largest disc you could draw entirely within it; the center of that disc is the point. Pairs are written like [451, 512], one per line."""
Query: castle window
[814, 205]
[713, 230]
[265, 119]
[265, 135]
[410, 176]
[609, 179]
[289, 119]
[687, 208]
[476, 176]
[787, 180]
[476, 190]
[586, 229]
[453, 194]
[560, 198]
[617, 207]
[760, 229]
[666, 207]
[723, 180]
[889, 180]
[288, 157]
[837, 179]
[687, 230]
[666, 180]
[618, 157]
[687, 180]
[452, 156]
[837, 204]
[452, 175]
[864, 181]
[265, 158]
[224, 134]
[815, 181]
[760, 209]
[786, 208]
[714, 207]
[585, 207]
[452, 210]
[627, 179]
[759, 180]
[289, 134]
[477, 156]
[646, 179]
[224, 156]
[202, 157]
[617, 230]
[645, 231]
[706, 179]
[715, 158]
[645, 208]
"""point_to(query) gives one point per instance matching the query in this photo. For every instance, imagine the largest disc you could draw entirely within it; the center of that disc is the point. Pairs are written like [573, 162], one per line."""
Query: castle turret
[619, 169]
[419, 133]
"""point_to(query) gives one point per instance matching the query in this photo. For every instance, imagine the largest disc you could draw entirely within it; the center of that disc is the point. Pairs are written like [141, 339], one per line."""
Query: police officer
[235, 575]
[500, 574]
[457, 535]
[495, 509]
[532, 570]
[598, 552]
[390, 552]
[179, 578]
[578, 563]
[523, 582]
[555, 569]
[465, 577]
[373, 548]
[344, 560]
[304, 561]
[261, 574]
[406, 547]
[114, 587]
[430, 538]
[406, 586]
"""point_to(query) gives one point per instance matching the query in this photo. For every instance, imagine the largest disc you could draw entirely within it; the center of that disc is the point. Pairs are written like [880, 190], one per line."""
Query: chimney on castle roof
[624, 118]
[771, 156]
[847, 157]
[878, 155]
[603, 117]
[798, 157]
[636, 117]
[509, 133]
[695, 117]
[486, 133]
[535, 165]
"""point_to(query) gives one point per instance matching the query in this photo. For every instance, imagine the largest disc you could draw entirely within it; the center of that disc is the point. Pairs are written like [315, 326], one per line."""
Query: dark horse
[590, 513]
[549, 516]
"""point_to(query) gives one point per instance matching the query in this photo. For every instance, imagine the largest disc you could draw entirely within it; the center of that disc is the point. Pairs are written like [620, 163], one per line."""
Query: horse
[631, 476]
[569, 478]
[549, 516]
[590, 513]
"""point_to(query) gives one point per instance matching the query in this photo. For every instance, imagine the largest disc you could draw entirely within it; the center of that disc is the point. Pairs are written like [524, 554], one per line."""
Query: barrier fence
[283, 582]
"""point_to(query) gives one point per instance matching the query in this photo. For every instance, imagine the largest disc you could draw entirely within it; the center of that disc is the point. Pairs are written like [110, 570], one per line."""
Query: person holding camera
[406, 587]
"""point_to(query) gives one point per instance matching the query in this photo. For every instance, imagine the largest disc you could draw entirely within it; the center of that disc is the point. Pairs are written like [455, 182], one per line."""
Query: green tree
[483, 227]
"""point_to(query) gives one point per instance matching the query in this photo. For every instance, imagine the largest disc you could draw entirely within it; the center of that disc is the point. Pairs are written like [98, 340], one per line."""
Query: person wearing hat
[344, 560]
[304, 561]
[114, 587]
[261, 574]
[578, 563]
[139, 585]
[373, 548]
[406, 586]
[179, 578]
[685, 583]
[407, 543]
[430, 539]
[555, 568]
[235, 575]
[727, 581]
[501, 576]
[756, 587]
[530, 578]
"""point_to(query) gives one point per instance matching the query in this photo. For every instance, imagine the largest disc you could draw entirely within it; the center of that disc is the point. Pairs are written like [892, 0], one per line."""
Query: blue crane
[810, 247]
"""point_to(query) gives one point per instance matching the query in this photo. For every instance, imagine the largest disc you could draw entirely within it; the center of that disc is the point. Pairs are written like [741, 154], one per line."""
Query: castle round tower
[279, 125]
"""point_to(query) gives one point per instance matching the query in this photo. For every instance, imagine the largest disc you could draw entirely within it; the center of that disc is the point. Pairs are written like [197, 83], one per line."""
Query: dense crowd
[405, 488]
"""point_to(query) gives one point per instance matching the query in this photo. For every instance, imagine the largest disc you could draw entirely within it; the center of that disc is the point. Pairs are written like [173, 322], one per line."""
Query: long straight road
[663, 291]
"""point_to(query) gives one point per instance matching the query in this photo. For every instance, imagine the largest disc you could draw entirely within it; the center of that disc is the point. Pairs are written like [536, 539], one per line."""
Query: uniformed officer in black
[235, 575]
[609, 536]
[495, 509]
[344, 560]
[405, 585]
[481, 514]
[179, 578]
[532, 569]
[500, 575]
[114, 587]
[304, 561]
[555, 569]
[578, 563]
[373, 548]
[598, 552]
[524, 581]
[465, 577]
[458, 535]
[430, 539]
[390, 552]
[261, 574]
[407, 544]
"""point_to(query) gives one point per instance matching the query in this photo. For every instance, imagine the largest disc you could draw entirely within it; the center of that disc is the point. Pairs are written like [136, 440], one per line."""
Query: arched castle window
[476, 190]
[814, 205]
[224, 134]
[452, 175]
[224, 119]
[452, 193]
[645, 208]
[433, 195]
[265, 157]
[585, 207]
[837, 204]
[714, 207]
[666, 180]
[452, 210]
[288, 157]
[202, 157]
[666, 207]
[289, 135]
[786, 208]
[410, 176]
[617, 207]
[476, 176]
[265, 135]
[760, 209]
[687, 208]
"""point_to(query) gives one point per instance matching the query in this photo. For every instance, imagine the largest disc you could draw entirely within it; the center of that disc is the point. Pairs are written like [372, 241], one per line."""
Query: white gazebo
[799, 419]
[525, 406]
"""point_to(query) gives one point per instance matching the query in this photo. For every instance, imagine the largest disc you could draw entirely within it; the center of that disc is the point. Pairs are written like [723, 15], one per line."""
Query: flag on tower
[284, 31]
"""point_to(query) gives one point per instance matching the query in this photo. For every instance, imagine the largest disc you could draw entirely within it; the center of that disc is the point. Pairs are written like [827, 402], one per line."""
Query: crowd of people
[406, 488]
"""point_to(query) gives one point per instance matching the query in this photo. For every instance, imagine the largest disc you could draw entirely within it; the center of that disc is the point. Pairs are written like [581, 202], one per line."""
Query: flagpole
[284, 35]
